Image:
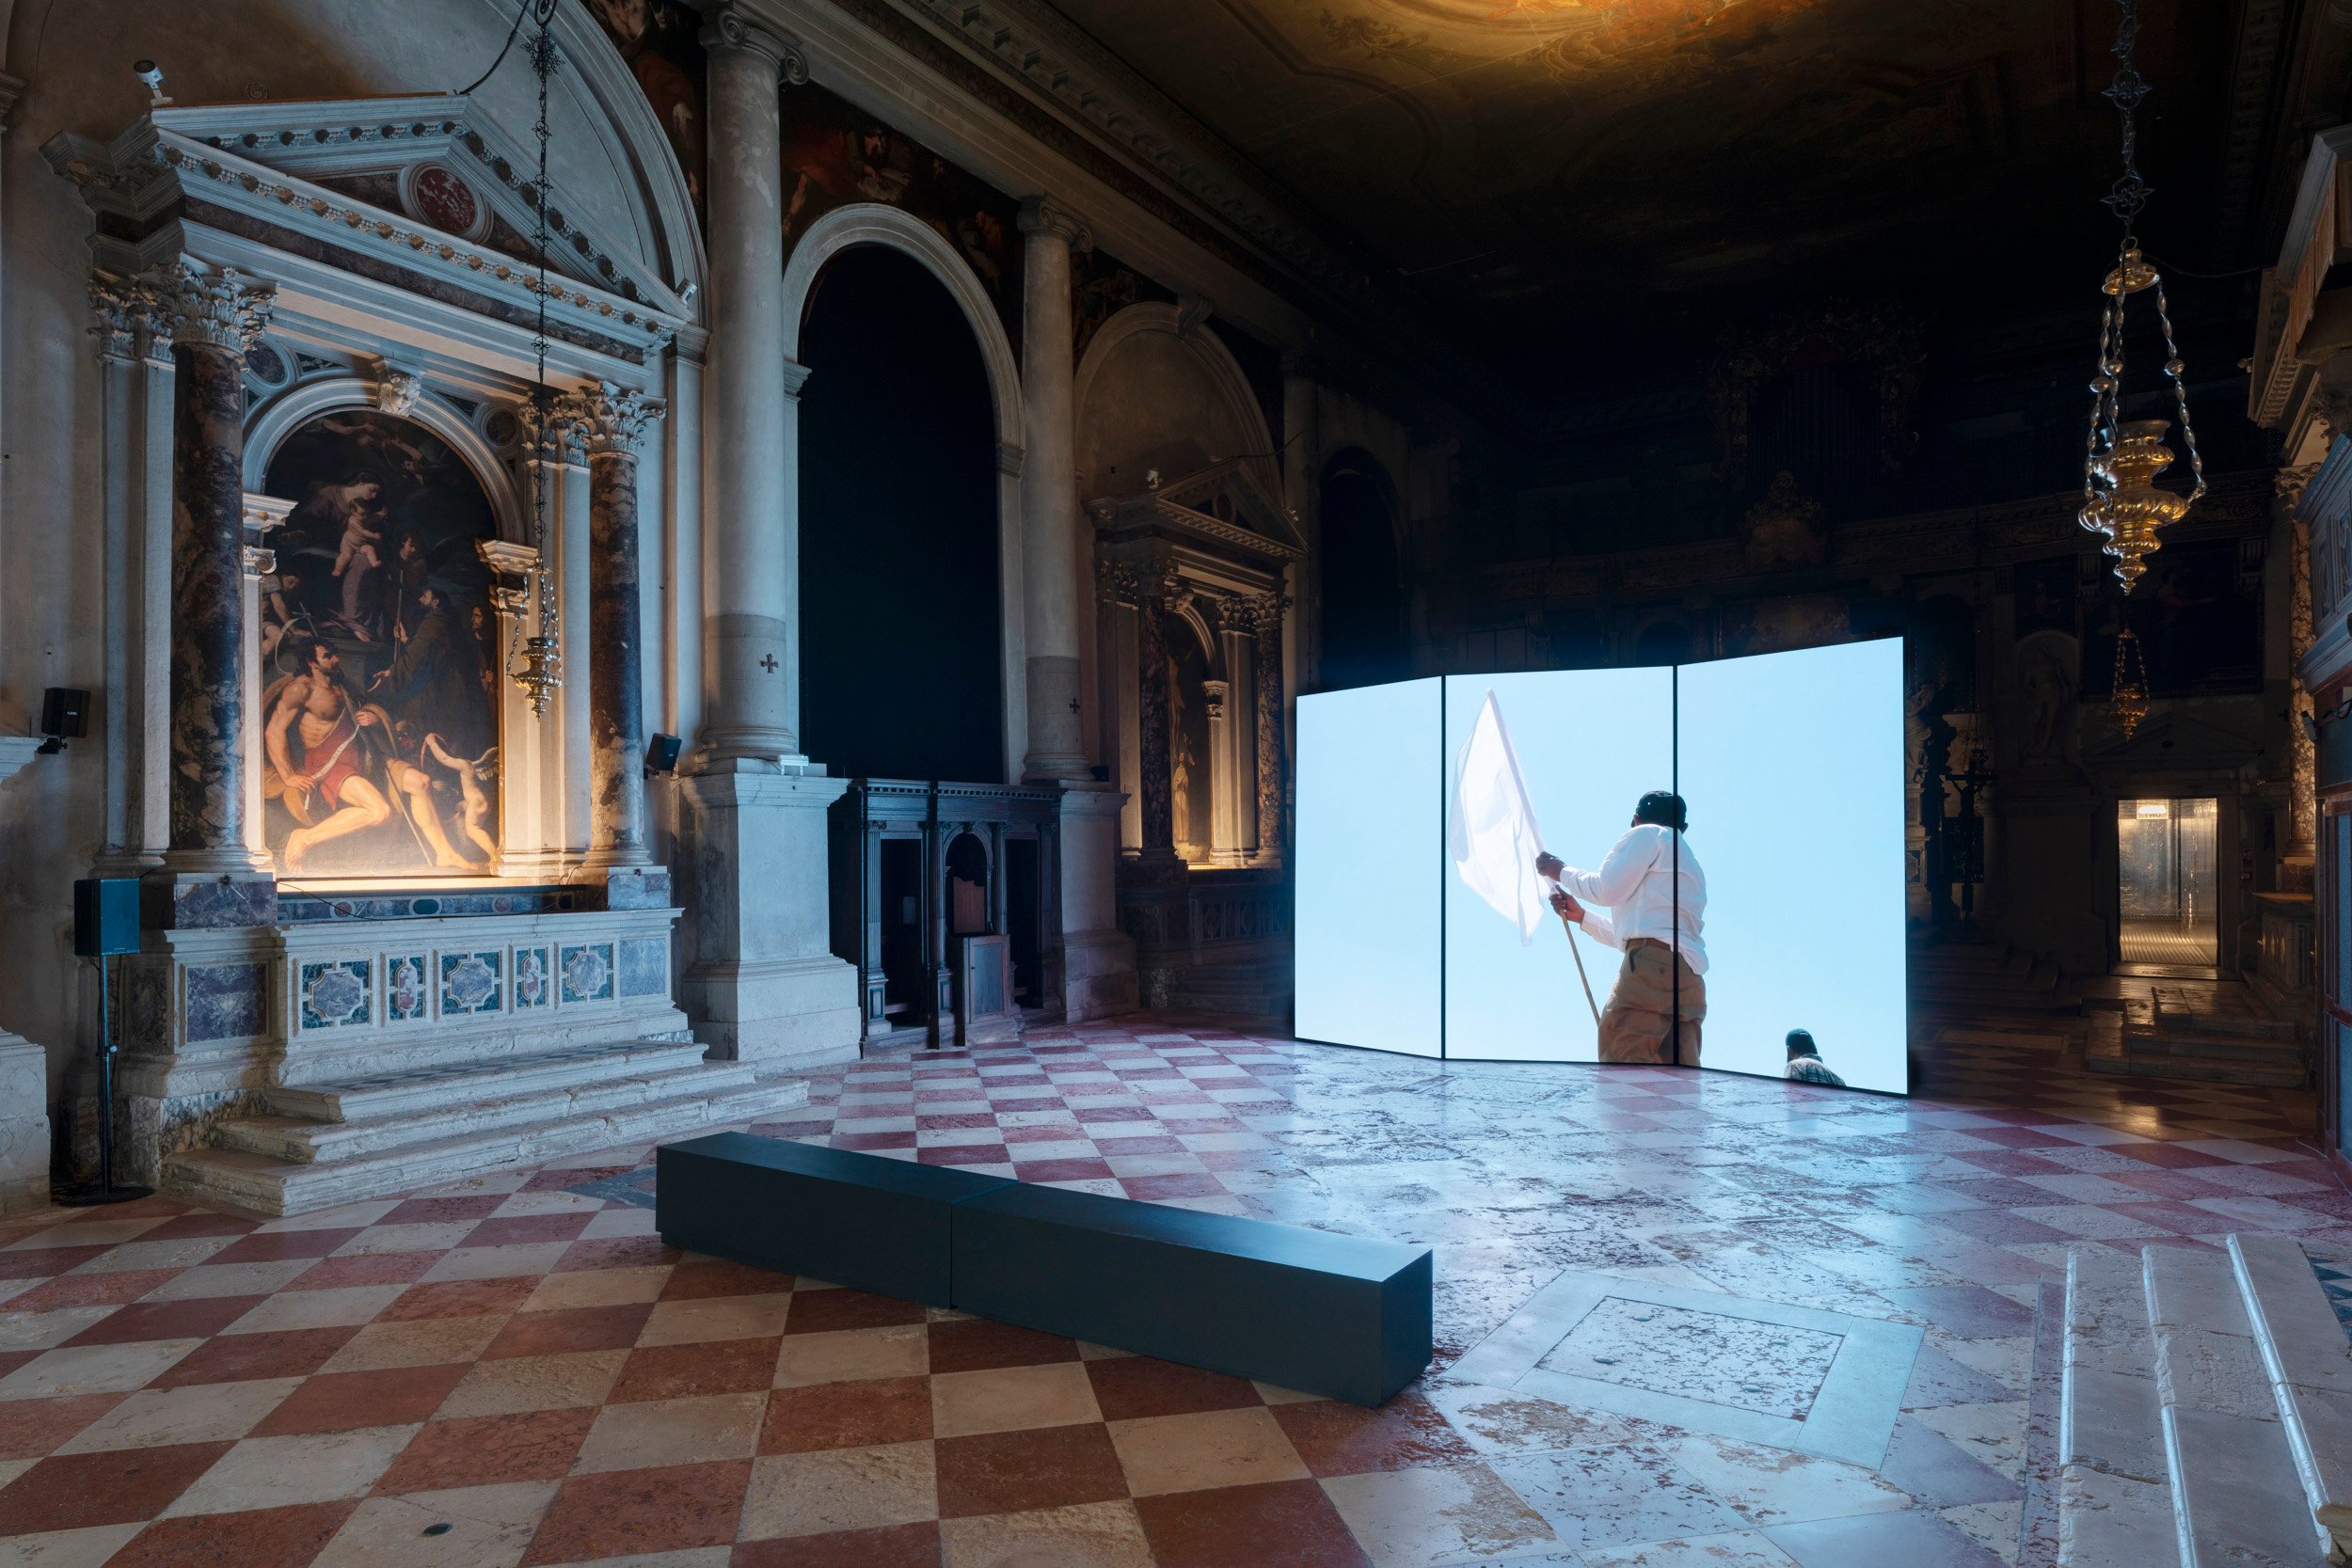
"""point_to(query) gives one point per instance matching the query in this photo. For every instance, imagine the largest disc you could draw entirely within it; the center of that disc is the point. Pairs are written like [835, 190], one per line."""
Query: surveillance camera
[151, 75]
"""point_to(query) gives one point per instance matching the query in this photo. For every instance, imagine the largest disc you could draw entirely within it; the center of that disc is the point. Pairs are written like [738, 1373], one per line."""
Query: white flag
[1494, 842]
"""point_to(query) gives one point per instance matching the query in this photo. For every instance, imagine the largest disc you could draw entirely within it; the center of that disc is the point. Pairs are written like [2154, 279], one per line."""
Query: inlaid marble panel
[587, 972]
[335, 993]
[469, 982]
[226, 1002]
[1772, 1369]
[645, 968]
[406, 991]
[533, 986]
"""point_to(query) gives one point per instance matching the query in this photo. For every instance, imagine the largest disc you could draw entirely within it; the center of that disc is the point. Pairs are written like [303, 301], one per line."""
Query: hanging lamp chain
[541, 655]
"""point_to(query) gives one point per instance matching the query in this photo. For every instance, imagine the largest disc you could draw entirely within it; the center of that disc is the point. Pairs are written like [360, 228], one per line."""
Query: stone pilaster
[753, 570]
[213, 316]
[123, 310]
[612, 422]
[1267, 616]
[1051, 528]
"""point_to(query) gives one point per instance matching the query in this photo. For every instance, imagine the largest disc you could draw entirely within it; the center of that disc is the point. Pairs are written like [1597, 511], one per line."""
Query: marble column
[753, 566]
[2302, 836]
[213, 316]
[1051, 528]
[1267, 614]
[764, 985]
[1155, 782]
[612, 420]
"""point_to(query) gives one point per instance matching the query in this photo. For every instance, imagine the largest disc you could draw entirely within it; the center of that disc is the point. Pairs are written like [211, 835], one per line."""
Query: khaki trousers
[1636, 1023]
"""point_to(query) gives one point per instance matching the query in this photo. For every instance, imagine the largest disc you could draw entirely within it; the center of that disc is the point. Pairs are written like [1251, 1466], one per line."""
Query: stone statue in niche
[1784, 528]
[2046, 697]
[380, 702]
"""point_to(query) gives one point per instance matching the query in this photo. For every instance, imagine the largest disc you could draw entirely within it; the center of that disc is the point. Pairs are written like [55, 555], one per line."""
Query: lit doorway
[2166, 867]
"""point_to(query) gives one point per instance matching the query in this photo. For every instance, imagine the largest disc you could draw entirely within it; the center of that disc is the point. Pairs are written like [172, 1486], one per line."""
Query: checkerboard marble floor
[514, 1370]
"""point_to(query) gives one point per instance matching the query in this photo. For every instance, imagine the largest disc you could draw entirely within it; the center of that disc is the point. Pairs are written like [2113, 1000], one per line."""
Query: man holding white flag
[1495, 843]
[1657, 896]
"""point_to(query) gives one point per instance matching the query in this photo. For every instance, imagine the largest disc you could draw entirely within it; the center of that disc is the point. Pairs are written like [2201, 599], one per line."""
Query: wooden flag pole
[1577, 954]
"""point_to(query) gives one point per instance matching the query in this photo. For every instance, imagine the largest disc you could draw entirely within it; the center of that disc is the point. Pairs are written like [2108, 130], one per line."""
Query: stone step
[436, 1085]
[2237, 1495]
[2216, 1048]
[304, 1141]
[255, 1183]
[2307, 1355]
[2173, 1015]
[2114, 1500]
[2107, 1051]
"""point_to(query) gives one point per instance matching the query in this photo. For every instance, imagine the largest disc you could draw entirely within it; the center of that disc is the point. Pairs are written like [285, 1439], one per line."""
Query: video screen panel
[1368, 876]
[1792, 766]
[1587, 743]
[1422, 926]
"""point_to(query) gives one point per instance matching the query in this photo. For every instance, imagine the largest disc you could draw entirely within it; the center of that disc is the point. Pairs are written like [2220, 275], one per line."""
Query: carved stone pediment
[426, 194]
[1222, 510]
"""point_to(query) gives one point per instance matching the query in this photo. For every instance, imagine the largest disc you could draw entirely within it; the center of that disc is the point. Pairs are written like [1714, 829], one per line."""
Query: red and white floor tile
[515, 1370]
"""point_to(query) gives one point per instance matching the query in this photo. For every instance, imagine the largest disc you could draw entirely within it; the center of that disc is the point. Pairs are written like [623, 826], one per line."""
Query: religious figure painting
[379, 703]
[660, 40]
[835, 154]
[2198, 614]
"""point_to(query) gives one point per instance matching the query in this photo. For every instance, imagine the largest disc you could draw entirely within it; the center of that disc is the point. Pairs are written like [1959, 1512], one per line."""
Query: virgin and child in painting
[379, 701]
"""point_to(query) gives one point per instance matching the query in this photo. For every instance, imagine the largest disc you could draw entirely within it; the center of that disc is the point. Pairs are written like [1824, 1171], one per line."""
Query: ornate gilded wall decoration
[1784, 528]
[1881, 343]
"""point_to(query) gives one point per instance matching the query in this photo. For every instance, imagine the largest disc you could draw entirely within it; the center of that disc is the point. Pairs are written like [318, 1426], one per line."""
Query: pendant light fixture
[2122, 457]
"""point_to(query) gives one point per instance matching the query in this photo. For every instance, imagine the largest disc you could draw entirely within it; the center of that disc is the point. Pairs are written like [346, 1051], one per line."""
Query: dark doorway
[899, 641]
[1022, 920]
[899, 903]
[1362, 593]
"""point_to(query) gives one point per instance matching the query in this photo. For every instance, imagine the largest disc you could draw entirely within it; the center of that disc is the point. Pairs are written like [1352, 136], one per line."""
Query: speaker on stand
[106, 922]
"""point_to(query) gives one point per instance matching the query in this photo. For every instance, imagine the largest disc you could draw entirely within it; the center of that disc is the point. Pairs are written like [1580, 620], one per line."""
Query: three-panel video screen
[1427, 923]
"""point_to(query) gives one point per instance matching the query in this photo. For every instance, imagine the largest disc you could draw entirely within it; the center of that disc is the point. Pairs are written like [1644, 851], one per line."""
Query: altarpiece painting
[379, 647]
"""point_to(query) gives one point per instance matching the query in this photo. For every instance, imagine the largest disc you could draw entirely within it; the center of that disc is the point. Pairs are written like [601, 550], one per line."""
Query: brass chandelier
[2122, 457]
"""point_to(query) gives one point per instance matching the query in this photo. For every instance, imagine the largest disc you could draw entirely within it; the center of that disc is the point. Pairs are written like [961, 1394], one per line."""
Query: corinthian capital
[1043, 214]
[609, 420]
[116, 303]
[727, 27]
[216, 306]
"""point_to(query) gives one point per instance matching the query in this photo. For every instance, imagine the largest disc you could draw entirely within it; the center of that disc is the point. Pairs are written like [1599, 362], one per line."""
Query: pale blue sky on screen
[1371, 829]
[1589, 743]
[1792, 765]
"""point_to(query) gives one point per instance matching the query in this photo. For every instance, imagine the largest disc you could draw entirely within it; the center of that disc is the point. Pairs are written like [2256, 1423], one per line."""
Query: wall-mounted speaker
[106, 917]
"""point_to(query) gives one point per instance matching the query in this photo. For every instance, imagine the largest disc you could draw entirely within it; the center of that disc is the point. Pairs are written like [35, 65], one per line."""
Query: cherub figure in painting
[474, 810]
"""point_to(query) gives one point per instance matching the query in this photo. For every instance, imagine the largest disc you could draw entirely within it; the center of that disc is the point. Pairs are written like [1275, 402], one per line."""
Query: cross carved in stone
[768, 664]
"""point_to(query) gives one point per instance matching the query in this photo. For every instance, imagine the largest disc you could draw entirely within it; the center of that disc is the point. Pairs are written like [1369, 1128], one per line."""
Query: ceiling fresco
[1619, 176]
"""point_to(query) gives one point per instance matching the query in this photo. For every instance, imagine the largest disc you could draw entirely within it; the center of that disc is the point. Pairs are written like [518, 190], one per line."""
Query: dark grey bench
[1333, 1315]
[834, 1214]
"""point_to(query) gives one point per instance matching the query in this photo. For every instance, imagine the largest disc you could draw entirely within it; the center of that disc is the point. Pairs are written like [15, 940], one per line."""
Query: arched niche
[1159, 391]
[869, 223]
[270, 425]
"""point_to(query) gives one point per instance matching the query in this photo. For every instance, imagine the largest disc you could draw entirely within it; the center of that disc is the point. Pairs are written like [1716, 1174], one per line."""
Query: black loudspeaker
[65, 712]
[662, 754]
[106, 917]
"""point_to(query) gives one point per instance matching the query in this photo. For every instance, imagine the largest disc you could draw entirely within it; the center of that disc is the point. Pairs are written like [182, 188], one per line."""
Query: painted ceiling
[1578, 183]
